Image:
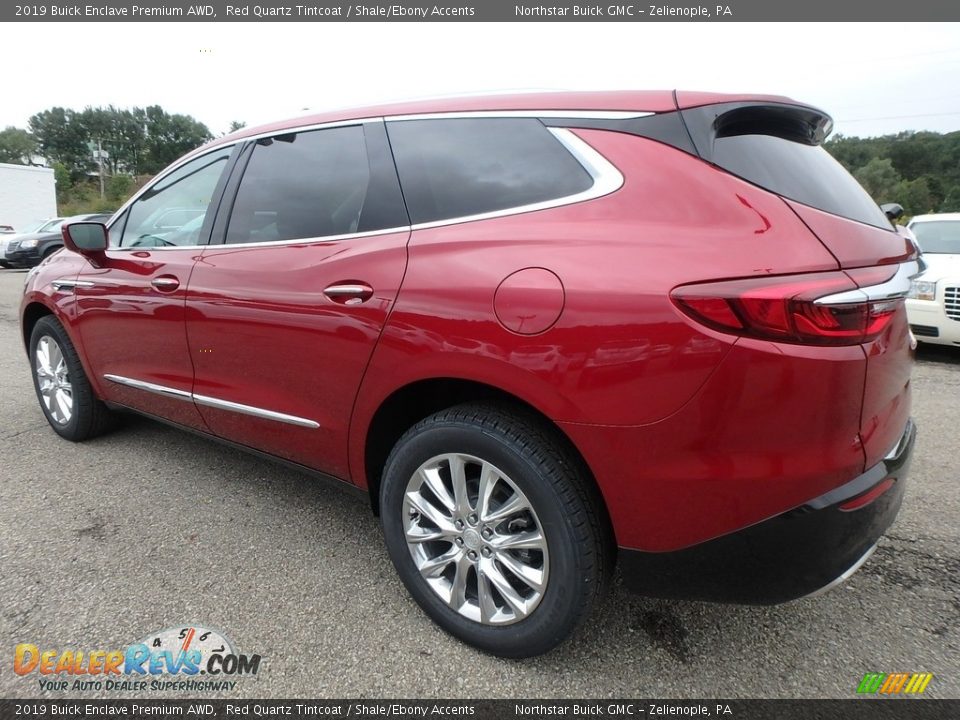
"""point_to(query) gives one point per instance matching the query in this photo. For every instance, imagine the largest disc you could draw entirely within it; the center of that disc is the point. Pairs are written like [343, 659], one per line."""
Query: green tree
[62, 138]
[914, 195]
[120, 135]
[118, 188]
[17, 146]
[236, 125]
[169, 136]
[951, 203]
[62, 180]
[852, 153]
[880, 179]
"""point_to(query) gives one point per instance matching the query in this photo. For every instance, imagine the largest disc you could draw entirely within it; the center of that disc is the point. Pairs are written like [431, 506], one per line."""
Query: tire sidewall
[558, 610]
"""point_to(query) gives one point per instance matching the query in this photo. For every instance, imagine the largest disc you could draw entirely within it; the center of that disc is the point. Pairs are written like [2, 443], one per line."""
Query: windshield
[938, 236]
[49, 225]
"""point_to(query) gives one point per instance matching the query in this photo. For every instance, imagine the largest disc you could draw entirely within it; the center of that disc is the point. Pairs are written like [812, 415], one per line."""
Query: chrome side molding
[149, 387]
[212, 402]
[254, 411]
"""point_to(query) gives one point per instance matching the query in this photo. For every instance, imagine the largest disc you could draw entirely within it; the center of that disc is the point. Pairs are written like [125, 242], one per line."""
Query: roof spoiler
[797, 123]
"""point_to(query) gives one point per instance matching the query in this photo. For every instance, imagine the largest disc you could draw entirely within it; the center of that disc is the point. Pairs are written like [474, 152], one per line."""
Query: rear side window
[457, 168]
[777, 146]
[805, 173]
[314, 184]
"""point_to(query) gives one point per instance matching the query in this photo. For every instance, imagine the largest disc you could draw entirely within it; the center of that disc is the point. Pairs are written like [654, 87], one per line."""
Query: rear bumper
[797, 553]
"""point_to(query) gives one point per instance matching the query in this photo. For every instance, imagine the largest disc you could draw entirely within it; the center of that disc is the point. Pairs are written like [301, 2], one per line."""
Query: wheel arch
[409, 404]
[31, 315]
[35, 309]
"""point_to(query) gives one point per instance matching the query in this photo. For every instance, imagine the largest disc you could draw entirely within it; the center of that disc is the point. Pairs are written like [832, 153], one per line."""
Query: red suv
[542, 333]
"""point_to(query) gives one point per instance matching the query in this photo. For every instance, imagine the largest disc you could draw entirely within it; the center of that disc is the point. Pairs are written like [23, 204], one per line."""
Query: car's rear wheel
[62, 387]
[493, 528]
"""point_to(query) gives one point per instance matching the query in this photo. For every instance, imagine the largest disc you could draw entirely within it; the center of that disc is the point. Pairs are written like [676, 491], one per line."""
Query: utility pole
[100, 163]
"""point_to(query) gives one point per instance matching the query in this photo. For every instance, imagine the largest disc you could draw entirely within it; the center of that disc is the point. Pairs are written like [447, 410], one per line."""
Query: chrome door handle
[165, 283]
[349, 293]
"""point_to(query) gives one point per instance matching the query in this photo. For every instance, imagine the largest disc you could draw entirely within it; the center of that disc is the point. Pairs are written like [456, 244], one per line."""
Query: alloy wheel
[53, 379]
[476, 539]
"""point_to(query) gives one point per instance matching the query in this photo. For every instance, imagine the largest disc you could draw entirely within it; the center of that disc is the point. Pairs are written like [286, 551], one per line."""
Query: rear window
[938, 236]
[457, 168]
[805, 173]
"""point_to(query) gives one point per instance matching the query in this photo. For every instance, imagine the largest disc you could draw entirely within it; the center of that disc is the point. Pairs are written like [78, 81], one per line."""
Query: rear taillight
[812, 309]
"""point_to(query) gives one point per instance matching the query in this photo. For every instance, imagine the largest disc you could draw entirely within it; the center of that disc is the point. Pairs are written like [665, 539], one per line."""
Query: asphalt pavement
[106, 542]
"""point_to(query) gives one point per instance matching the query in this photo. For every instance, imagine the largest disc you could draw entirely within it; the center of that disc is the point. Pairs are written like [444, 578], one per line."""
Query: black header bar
[483, 11]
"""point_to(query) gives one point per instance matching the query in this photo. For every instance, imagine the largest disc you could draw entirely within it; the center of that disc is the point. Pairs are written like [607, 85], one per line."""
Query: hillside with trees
[132, 145]
[919, 170]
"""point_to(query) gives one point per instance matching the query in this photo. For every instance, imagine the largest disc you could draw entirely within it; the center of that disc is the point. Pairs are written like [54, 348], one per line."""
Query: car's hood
[940, 266]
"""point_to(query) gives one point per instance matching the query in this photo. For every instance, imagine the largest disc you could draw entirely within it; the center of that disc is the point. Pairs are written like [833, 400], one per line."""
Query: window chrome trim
[896, 287]
[572, 114]
[134, 248]
[302, 241]
[212, 402]
[606, 177]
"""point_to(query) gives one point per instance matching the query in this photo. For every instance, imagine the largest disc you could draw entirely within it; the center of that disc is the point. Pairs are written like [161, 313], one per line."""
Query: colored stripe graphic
[894, 683]
[871, 682]
[927, 677]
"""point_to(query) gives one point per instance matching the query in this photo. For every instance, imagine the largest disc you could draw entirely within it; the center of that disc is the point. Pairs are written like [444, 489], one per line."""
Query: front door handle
[165, 283]
[349, 293]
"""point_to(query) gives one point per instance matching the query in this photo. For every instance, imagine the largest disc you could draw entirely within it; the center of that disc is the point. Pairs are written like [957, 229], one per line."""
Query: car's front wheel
[62, 387]
[494, 528]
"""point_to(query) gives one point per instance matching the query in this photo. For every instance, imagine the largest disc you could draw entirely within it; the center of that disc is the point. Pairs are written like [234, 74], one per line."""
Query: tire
[522, 460]
[49, 251]
[63, 390]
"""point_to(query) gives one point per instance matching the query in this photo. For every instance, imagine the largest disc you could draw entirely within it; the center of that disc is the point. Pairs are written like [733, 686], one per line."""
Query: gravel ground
[147, 528]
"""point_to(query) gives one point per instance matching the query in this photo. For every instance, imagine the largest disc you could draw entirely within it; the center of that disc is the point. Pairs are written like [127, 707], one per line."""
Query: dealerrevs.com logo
[189, 658]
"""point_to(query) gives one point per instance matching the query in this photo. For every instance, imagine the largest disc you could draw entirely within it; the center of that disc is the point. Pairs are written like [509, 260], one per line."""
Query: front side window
[315, 184]
[461, 167]
[171, 213]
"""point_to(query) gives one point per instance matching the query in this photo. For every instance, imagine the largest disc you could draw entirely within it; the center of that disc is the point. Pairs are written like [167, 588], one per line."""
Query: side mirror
[87, 238]
[893, 211]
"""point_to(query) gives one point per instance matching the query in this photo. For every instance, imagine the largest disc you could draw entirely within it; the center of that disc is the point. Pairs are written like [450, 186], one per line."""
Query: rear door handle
[349, 293]
[165, 283]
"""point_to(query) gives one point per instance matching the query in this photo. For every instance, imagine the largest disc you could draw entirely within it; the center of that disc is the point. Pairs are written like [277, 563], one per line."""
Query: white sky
[872, 78]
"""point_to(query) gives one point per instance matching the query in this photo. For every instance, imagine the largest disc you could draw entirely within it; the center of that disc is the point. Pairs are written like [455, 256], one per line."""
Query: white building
[27, 195]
